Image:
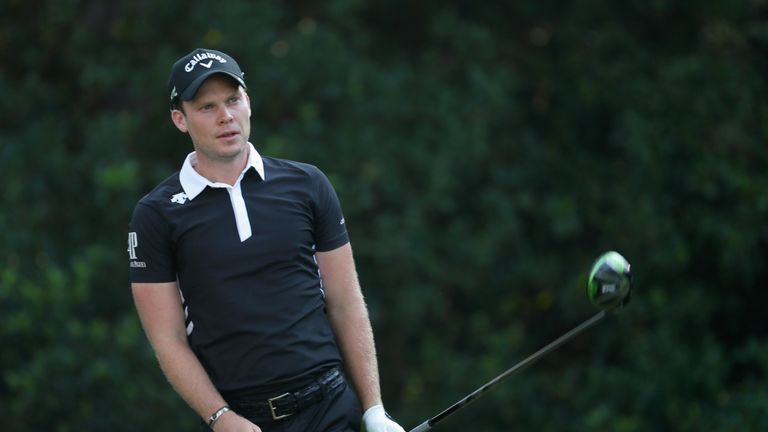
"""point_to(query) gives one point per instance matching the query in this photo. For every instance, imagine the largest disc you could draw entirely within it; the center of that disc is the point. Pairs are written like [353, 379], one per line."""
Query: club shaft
[427, 425]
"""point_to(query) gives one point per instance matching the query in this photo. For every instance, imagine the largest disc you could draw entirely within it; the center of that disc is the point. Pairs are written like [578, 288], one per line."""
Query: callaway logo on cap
[190, 71]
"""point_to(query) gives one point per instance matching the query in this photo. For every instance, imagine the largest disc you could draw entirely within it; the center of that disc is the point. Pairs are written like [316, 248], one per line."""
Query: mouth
[227, 135]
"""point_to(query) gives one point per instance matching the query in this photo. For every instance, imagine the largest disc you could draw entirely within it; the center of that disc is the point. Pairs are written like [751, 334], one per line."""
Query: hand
[230, 421]
[375, 419]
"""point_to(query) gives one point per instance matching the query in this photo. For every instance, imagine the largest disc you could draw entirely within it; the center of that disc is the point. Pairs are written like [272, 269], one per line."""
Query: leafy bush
[484, 153]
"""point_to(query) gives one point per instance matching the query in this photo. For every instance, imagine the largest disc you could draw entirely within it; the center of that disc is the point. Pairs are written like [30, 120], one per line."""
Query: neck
[221, 171]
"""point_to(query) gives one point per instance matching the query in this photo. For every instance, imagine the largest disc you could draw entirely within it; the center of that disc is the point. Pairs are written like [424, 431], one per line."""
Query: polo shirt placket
[193, 184]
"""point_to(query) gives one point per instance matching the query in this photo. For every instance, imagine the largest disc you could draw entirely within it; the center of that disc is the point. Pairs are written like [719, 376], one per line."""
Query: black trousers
[338, 411]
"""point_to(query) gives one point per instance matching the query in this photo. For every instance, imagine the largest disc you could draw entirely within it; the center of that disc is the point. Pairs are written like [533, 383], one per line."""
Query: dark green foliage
[485, 154]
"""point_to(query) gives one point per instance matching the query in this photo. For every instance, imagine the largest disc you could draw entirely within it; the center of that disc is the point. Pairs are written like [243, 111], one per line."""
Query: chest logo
[179, 198]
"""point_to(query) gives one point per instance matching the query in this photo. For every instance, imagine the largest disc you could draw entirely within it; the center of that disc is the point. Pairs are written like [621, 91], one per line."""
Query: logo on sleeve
[179, 198]
[133, 243]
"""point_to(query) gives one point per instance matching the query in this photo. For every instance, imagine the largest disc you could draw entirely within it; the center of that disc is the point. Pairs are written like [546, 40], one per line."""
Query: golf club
[609, 286]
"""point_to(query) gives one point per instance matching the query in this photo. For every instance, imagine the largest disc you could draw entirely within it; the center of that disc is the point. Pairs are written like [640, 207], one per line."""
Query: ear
[179, 120]
[248, 101]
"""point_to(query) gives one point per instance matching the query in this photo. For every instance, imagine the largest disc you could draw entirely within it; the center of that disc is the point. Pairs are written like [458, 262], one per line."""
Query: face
[217, 120]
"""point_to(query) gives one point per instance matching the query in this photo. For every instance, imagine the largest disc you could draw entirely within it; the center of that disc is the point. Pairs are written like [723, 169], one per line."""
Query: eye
[206, 107]
[233, 100]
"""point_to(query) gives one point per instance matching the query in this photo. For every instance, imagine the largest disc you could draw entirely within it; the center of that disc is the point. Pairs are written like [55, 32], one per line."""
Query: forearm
[351, 324]
[188, 377]
[162, 317]
[354, 335]
[160, 310]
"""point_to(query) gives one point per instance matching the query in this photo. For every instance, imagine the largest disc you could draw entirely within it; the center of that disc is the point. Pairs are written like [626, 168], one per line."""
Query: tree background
[485, 154]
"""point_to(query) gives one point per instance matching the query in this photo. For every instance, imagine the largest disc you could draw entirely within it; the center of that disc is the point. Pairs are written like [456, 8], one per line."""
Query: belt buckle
[273, 410]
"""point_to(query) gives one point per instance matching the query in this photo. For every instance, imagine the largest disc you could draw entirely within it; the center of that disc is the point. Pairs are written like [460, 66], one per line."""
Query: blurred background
[485, 154]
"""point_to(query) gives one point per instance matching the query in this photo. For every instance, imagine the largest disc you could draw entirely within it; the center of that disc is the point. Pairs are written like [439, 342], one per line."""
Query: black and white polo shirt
[244, 259]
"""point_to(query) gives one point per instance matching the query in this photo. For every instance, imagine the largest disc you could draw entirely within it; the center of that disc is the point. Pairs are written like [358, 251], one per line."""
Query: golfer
[243, 276]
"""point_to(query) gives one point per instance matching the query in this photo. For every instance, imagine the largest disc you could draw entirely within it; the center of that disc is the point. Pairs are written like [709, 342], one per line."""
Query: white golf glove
[375, 419]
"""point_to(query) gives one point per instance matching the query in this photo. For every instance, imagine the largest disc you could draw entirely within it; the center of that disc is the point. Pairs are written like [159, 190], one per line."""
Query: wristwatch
[215, 416]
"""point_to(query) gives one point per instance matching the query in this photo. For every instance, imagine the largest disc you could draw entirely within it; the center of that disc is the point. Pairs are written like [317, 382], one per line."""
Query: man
[243, 275]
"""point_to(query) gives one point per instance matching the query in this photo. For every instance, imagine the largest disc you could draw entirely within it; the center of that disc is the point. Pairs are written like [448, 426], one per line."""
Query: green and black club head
[610, 281]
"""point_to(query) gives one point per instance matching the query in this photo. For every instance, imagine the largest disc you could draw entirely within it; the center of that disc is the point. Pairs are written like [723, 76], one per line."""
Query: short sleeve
[150, 253]
[330, 226]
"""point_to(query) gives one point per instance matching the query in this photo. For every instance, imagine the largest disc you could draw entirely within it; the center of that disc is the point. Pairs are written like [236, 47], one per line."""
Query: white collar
[193, 183]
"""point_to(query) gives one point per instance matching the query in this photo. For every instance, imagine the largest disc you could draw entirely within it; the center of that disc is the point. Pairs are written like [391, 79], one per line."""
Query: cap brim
[189, 93]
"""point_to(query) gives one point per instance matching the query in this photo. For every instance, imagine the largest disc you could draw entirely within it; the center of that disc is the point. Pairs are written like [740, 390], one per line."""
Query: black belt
[289, 403]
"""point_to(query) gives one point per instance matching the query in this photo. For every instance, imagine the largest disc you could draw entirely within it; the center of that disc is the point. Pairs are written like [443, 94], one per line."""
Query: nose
[225, 116]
